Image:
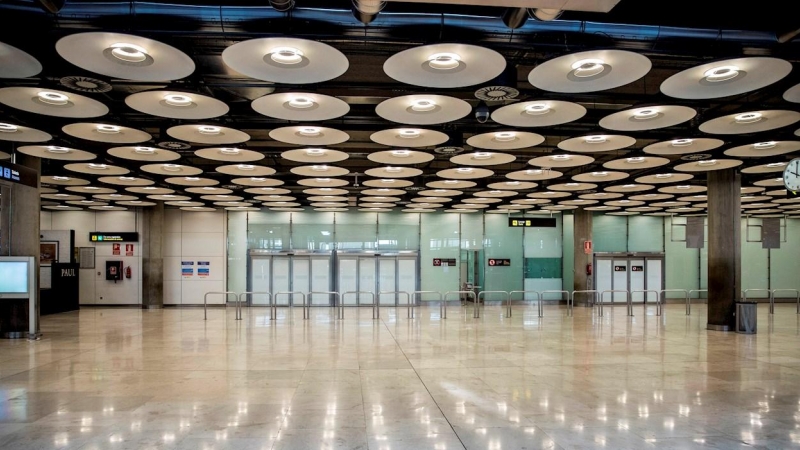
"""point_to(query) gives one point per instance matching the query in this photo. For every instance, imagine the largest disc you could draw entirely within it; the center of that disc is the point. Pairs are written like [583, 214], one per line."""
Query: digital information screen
[18, 174]
[13, 277]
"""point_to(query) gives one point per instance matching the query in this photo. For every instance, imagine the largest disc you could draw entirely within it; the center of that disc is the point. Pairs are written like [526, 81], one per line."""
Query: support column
[21, 213]
[724, 248]
[582, 232]
[153, 257]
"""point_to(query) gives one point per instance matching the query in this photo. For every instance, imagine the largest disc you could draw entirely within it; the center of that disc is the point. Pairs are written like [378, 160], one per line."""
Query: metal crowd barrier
[645, 291]
[476, 310]
[306, 314]
[769, 295]
[251, 294]
[409, 307]
[590, 291]
[616, 291]
[663, 294]
[443, 305]
[538, 301]
[205, 300]
[772, 299]
[689, 303]
[376, 312]
[418, 295]
[570, 304]
[337, 302]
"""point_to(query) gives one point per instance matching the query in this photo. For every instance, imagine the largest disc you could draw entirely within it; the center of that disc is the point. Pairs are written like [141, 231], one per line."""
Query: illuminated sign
[18, 174]
[537, 222]
[114, 237]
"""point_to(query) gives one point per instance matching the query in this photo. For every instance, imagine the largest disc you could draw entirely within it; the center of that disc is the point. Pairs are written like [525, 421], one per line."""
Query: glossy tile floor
[131, 379]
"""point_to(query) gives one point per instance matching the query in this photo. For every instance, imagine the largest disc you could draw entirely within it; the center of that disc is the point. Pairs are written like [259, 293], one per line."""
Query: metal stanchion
[663, 294]
[409, 307]
[443, 305]
[698, 291]
[796, 296]
[337, 302]
[645, 291]
[589, 291]
[291, 302]
[570, 304]
[418, 295]
[538, 301]
[614, 291]
[225, 293]
[358, 302]
[769, 294]
[476, 312]
[245, 294]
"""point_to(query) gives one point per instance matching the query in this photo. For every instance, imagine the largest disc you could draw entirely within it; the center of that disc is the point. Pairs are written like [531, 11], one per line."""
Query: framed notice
[48, 252]
[86, 257]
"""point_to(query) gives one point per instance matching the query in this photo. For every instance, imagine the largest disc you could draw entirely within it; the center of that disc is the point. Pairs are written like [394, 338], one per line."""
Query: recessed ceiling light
[286, 55]
[533, 172]
[229, 151]
[464, 170]
[393, 169]
[315, 152]
[209, 130]
[596, 139]
[178, 100]
[388, 181]
[628, 186]
[645, 114]
[192, 179]
[94, 166]
[681, 142]
[624, 201]
[444, 61]
[128, 52]
[108, 129]
[400, 153]
[482, 155]
[310, 131]
[57, 178]
[144, 150]
[746, 118]
[62, 195]
[708, 162]
[301, 102]
[561, 157]
[537, 109]
[245, 166]
[8, 128]
[572, 184]
[599, 174]
[588, 67]
[323, 180]
[777, 164]
[52, 98]
[764, 145]
[512, 183]
[662, 176]
[126, 179]
[91, 188]
[635, 160]
[321, 168]
[57, 150]
[721, 73]
[172, 167]
[408, 133]
[423, 105]
[683, 187]
[505, 136]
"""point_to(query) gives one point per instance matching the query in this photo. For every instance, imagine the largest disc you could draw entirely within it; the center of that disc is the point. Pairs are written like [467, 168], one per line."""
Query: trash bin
[746, 317]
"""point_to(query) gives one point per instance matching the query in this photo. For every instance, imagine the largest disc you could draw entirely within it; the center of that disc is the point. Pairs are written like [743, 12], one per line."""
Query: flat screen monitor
[15, 276]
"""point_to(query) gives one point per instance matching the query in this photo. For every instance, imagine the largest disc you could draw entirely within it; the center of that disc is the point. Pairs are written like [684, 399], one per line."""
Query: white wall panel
[172, 244]
[193, 292]
[172, 292]
[203, 222]
[202, 244]
[172, 220]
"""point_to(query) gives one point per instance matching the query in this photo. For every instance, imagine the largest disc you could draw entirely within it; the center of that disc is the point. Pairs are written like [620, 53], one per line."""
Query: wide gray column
[21, 213]
[724, 248]
[582, 232]
[153, 257]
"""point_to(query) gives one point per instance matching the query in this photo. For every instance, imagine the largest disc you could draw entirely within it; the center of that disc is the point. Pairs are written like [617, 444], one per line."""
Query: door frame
[396, 255]
[628, 256]
[261, 253]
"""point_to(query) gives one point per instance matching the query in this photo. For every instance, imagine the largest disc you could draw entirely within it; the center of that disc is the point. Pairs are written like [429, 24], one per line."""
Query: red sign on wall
[115, 250]
[587, 247]
[128, 249]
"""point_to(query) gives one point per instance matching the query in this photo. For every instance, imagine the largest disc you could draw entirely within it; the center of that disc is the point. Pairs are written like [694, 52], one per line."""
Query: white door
[406, 278]
[321, 279]
[653, 276]
[387, 279]
[620, 277]
[280, 278]
[636, 275]
[367, 266]
[301, 280]
[348, 279]
[604, 274]
[260, 279]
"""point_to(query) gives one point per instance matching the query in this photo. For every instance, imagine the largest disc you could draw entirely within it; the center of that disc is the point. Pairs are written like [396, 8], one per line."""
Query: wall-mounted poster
[187, 268]
[48, 252]
[203, 268]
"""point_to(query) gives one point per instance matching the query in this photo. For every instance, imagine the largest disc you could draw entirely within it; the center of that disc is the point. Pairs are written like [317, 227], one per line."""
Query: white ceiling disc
[229, 154]
[789, 203]
[534, 175]
[87, 203]
[51, 102]
[222, 198]
[670, 204]
[150, 190]
[388, 183]
[596, 143]
[172, 170]
[692, 198]
[537, 201]
[766, 168]
[770, 182]
[314, 155]
[602, 208]
[286, 60]
[600, 177]
[683, 210]
[662, 178]
[198, 209]
[383, 191]
[483, 159]
[425, 205]
[278, 198]
[90, 190]
[513, 185]
[243, 208]
[595, 70]
[572, 187]
[96, 169]
[376, 205]
[331, 209]
[320, 170]
[409, 137]
[558, 207]
[708, 165]
[539, 113]
[508, 210]
[101, 132]
[393, 157]
[505, 140]
[423, 109]
[764, 149]
[125, 181]
[176, 105]
[445, 65]
[755, 198]
[116, 197]
[322, 182]
[56, 152]
[725, 78]
[647, 118]
[418, 210]
[451, 184]
[65, 197]
[624, 203]
[375, 209]
[287, 209]
[143, 153]
[495, 194]
[792, 94]
[651, 197]
[775, 193]
[260, 191]
[470, 206]
[601, 196]
[309, 135]
[257, 181]
[393, 172]
[62, 208]
[238, 205]
[461, 211]
[562, 160]
[300, 106]
[169, 197]
[464, 173]
[184, 203]
[683, 189]
[208, 134]
[15, 63]
[19, 133]
[636, 163]
[579, 202]
[630, 187]
[486, 200]
[431, 200]
[246, 170]
[644, 209]
[63, 180]
[329, 205]
[109, 208]
[683, 146]
[192, 181]
[44, 190]
[750, 122]
[125, 56]
[138, 203]
[751, 190]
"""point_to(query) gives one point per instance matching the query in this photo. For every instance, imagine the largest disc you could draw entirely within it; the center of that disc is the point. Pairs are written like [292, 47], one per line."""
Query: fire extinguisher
[588, 269]
[128, 272]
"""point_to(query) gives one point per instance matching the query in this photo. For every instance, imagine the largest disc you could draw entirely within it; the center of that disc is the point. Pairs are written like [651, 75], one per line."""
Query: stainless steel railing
[251, 294]
[290, 294]
[205, 300]
[615, 291]
[645, 292]
[443, 305]
[376, 312]
[476, 309]
[538, 301]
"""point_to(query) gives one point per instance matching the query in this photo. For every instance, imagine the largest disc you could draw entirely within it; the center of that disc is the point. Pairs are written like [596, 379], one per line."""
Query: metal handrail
[744, 293]
[538, 301]
[476, 312]
[291, 302]
[250, 293]
[409, 306]
[358, 302]
[443, 305]
[570, 304]
[663, 293]
[645, 291]
[796, 296]
[205, 300]
[418, 294]
[337, 302]
[589, 291]
[698, 291]
[627, 299]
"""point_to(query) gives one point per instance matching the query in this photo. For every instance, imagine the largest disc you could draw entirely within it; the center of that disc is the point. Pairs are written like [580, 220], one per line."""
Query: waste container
[746, 317]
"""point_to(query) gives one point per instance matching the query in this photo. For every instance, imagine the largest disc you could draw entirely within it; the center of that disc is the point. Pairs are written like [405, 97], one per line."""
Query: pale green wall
[568, 260]
[503, 242]
[440, 239]
[609, 233]
[682, 270]
[645, 234]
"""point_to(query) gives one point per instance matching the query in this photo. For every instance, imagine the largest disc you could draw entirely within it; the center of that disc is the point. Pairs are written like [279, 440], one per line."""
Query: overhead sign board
[496, 262]
[113, 237]
[537, 222]
[15, 173]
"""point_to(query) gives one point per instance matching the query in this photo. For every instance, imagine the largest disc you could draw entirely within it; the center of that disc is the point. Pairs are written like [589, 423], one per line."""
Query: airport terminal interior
[394, 225]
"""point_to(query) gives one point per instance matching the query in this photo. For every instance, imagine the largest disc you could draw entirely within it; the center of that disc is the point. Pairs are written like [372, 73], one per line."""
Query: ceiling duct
[366, 10]
[515, 17]
[545, 14]
[282, 5]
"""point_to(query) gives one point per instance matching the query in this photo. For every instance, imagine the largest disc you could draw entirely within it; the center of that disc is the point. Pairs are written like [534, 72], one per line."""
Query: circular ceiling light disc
[322, 182]
[665, 178]
[172, 170]
[707, 165]
[631, 187]
[309, 135]
[319, 170]
[176, 105]
[286, 60]
[258, 191]
[59, 180]
[100, 132]
[191, 181]
[683, 189]
[451, 184]
[600, 177]
[445, 65]
[208, 134]
[300, 106]
[505, 140]
[423, 109]
[409, 137]
[750, 122]
[125, 56]
[150, 190]
[56, 152]
[595, 143]
[561, 160]
[439, 193]
[636, 163]
[571, 187]
[393, 172]
[125, 181]
[764, 149]
[725, 78]
[394, 157]
[546, 195]
[483, 159]
[198, 209]
[770, 182]
[15, 63]
[513, 185]
[683, 146]
[648, 118]
[229, 154]
[766, 168]
[18, 133]
[390, 183]
[96, 169]
[315, 155]
[246, 170]
[143, 153]
[380, 192]
[51, 102]
[601, 196]
[539, 113]
[91, 190]
[464, 173]
[534, 175]
[260, 182]
[590, 71]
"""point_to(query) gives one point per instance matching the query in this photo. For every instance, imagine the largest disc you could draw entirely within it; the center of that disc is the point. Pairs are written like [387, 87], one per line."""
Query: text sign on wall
[538, 222]
[494, 262]
[637, 268]
[113, 237]
[620, 268]
[18, 174]
[439, 262]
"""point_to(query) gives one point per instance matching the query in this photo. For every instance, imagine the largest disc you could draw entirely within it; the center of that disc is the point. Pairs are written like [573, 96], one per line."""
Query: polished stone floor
[132, 379]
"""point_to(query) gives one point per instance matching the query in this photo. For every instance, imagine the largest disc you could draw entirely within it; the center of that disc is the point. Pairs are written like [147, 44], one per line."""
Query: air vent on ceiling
[448, 150]
[174, 145]
[696, 157]
[85, 84]
[496, 93]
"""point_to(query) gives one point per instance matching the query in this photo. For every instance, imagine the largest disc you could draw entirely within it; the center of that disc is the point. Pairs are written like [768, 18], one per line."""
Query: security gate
[290, 272]
[371, 272]
[628, 272]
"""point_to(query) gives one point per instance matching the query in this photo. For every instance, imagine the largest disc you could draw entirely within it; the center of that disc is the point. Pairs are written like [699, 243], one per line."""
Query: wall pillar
[153, 257]
[582, 232]
[724, 248]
